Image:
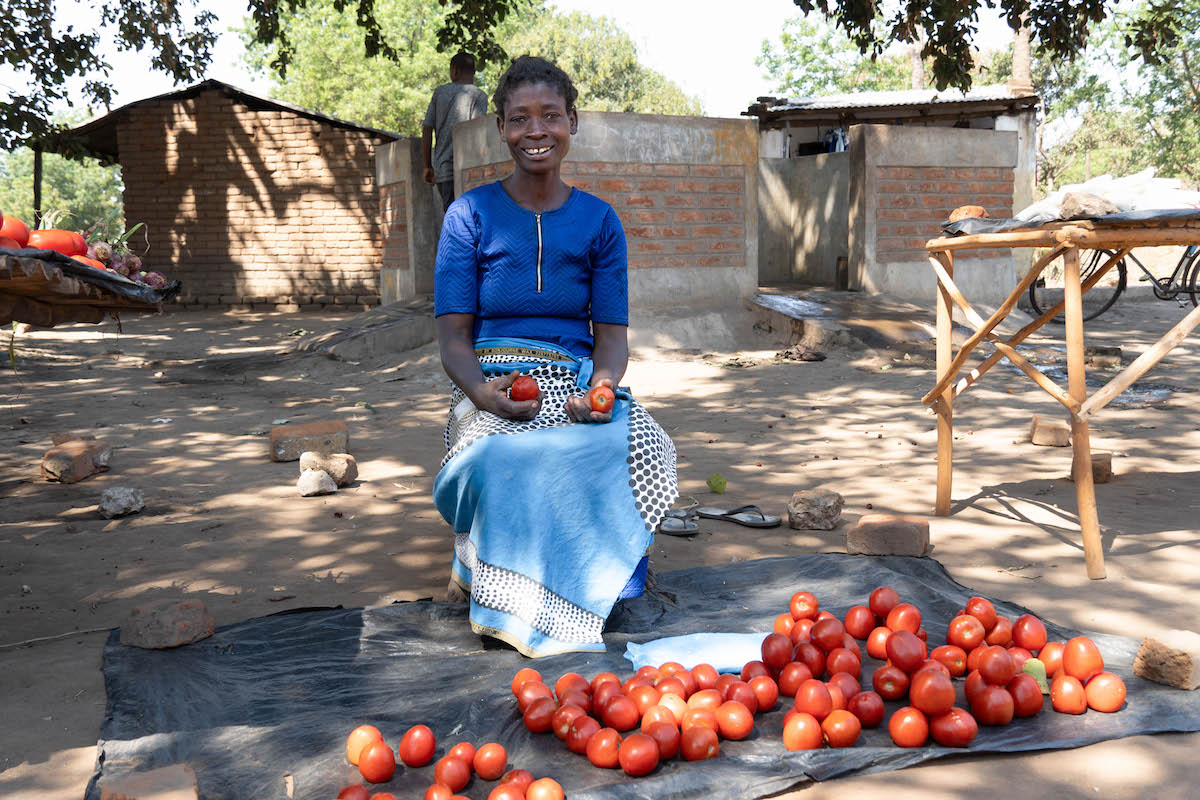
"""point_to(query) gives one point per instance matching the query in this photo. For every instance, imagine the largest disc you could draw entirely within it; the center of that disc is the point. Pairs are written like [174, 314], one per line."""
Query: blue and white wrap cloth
[552, 519]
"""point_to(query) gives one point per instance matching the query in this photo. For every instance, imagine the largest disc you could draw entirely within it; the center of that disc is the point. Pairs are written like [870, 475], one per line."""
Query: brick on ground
[176, 782]
[326, 437]
[75, 459]
[888, 535]
[1049, 432]
[1102, 470]
[1172, 659]
[165, 623]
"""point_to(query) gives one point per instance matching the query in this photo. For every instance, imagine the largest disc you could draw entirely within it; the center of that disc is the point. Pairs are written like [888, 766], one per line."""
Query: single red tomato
[799, 631]
[538, 719]
[377, 762]
[560, 723]
[649, 671]
[934, 664]
[16, 230]
[776, 650]
[464, 751]
[1029, 632]
[690, 685]
[791, 676]
[810, 656]
[965, 632]
[909, 727]
[824, 614]
[706, 675]
[1001, 633]
[752, 669]
[669, 668]
[439, 792]
[740, 692]
[359, 738]
[507, 791]
[667, 736]
[524, 388]
[1081, 659]
[601, 399]
[544, 789]
[837, 699]
[704, 717]
[606, 691]
[91, 262]
[602, 749]
[620, 713]
[868, 707]
[574, 697]
[676, 705]
[705, 698]
[802, 731]
[1105, 692]
[645, 698]
[603, 678]
[877, 642]
[390, 796]
[974, 685]
[982, 609]
[734, 720]
[883, 600]
[859, 622]
[452, 771]
[955, 728]
[784, 623]
[997, 666]
[932, 692]
[354, 791]
[766, 692]
[846, 683]
[890, 682]
[804, 605]
[699, 743]
[57, 240]
[973, 656]
[904, 617]
[571, 681]
[1051, 658]
[827, 634]
[638, 754]
[417, 744]
[1067, 694]
[673, 685]
[657, 714]
[517, 777]
[993, 706]
[842, 660]
[580, 733]
[637, 680]
[1026, 695]
[904, 649]
[813, 697]
[490, 761]
[530, 691]
[952, 657]
[841, 728]
[724, 681]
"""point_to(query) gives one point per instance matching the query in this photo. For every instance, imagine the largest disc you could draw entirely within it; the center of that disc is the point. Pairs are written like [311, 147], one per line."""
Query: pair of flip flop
[681, 521]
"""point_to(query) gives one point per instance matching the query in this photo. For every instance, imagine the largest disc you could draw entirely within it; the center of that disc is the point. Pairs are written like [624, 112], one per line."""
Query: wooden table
[42, 294]
[1065, 240]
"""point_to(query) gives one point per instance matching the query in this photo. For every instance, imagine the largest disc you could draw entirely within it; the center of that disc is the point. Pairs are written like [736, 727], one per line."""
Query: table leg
[945, 412]
[1081, 462]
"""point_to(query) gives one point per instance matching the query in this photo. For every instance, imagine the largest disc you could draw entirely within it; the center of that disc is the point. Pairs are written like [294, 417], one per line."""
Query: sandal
[676, 526]
[750, 516]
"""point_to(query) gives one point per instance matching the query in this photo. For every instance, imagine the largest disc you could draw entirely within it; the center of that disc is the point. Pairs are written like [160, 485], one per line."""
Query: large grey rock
[1083, 204]
[314, 482]
[176, 782]
[340, 466]
[815, 510]
[167, 623]
[120, 501]
[888, 535]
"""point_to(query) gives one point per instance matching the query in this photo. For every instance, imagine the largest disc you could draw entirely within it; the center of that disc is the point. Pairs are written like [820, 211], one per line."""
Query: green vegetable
[717, 483]
[1037, 669]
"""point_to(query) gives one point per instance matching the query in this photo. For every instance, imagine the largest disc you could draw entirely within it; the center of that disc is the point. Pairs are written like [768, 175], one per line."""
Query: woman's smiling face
[537, 127]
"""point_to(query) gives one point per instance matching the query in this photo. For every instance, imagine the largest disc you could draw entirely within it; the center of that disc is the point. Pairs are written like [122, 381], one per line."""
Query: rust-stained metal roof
[980, 100]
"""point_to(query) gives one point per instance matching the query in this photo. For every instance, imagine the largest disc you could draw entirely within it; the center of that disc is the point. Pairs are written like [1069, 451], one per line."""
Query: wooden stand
[40, 293]
[1065, 240]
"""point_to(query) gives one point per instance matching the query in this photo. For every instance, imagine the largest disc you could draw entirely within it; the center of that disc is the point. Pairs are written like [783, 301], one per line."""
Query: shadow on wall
[803, 218]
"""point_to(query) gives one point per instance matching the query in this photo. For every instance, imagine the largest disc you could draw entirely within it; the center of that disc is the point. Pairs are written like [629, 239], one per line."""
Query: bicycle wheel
[1191, 275]
[1047, 290]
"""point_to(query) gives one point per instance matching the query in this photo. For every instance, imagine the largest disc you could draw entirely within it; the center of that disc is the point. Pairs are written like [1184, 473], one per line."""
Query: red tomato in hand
[953, 658]
[993, 706]
[1029, 632]
[868, 707]
[377, 762]
[965, 632]
[359, 738]
[1067, 694]
[417, 745]
[883, 600]
[602, 748]
[699, 743]
[490, 761]
[955, 728]
[1026, 695]
[601, 399]
[904, 649]
[904, 617]
[841, 729]
[802, 731]
[982, 609]
[544, 789]
[524, 388]
[1105, 692]
[908, 727]
[735, 720]
[638, 755]
[859, 622]
[1081, 659]
[932, 692]
[804, 605]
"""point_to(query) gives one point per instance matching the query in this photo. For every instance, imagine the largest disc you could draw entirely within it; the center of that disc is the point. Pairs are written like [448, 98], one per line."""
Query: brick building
[248, 201]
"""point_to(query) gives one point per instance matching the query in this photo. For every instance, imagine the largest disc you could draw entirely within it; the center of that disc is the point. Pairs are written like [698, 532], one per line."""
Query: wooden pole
[945, 411]
[1072, 235]
[1081, 463]
[37, 187]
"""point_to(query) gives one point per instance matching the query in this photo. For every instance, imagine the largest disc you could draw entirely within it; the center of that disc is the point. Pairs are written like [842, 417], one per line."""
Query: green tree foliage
[329, 73]
[87, 190]
[810, 59]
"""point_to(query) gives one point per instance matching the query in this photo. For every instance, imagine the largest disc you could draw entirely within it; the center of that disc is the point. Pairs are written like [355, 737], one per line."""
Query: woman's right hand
[493, 397]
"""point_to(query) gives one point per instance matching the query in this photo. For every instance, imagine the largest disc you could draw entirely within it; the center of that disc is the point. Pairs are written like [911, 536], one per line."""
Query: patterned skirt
[552, 519]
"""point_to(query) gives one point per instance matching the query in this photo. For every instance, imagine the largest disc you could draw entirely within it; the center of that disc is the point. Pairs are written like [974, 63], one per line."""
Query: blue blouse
[533, 276]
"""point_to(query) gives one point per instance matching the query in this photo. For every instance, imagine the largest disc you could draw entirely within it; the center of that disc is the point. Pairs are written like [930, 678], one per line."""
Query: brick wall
[674, 215]
[914, 201]
[392, 200]
[264, 209]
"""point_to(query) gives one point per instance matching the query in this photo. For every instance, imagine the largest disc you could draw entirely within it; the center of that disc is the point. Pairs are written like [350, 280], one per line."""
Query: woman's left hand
[578, 410]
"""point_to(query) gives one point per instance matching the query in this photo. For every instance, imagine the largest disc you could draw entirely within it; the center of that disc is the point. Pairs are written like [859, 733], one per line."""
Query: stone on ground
[121, 500]
[1103, 357]
[1049, 432]
[75, 459]
[176, 782]
[330, 436]
[167, 623]
[815, 510]
[314, 482]
[1102, 470]
[1172, 659]
[888, 535]
[340, 466]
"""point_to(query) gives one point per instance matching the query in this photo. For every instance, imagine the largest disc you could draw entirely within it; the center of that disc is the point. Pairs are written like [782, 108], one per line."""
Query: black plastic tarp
[105, 279]
[276, 696]
[988, 225]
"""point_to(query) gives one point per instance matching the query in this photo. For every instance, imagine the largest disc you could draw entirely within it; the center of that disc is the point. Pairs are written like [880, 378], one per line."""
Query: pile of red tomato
[366, 749]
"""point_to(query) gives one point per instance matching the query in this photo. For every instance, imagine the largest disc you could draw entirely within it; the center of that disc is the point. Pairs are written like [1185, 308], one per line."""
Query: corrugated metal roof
[902, 97]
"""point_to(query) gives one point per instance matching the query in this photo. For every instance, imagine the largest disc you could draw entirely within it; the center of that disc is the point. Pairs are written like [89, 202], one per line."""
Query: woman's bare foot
[455, 594]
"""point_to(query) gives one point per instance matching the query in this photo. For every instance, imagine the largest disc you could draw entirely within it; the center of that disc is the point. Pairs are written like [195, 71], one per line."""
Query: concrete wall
[685, 189]
[904, 181]
[251, 208]
[803, 218]
[410, 221]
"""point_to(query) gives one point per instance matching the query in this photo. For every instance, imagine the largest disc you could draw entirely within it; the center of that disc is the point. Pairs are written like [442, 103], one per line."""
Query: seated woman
[553, 505]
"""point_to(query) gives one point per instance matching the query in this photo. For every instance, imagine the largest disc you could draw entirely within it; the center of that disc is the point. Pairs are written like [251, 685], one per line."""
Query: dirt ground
[186, 400]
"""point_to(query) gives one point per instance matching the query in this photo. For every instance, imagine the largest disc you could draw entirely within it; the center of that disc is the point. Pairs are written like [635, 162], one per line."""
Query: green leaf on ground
[717, 483]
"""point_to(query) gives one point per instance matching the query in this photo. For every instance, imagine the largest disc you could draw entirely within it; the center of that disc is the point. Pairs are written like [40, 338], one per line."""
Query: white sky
[707, 47]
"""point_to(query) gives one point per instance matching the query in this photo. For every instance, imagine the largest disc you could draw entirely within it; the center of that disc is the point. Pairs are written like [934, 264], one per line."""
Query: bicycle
[1046, 292]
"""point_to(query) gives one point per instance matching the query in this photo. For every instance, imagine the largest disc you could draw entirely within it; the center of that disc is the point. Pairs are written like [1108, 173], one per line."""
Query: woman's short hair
[530, 70]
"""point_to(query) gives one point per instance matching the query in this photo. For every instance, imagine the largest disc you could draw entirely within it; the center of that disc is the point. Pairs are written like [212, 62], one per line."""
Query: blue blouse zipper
[538, 217]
